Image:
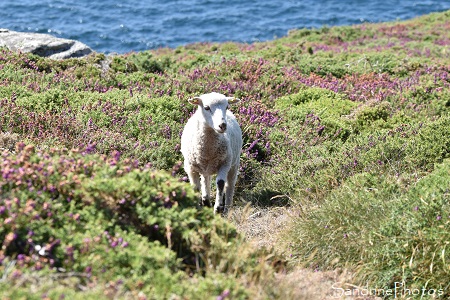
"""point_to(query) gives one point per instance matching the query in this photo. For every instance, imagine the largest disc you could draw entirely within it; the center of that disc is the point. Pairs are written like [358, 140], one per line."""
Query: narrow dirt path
[262, 226]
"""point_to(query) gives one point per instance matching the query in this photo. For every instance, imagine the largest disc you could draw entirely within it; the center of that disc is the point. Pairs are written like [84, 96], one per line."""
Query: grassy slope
[347, 125]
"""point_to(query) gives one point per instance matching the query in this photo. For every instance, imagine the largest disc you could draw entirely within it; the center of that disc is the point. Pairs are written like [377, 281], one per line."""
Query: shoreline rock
[42, 44]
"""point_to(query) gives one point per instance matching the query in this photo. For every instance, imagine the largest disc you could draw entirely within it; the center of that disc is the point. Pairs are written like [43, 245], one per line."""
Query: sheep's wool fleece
[205, 149]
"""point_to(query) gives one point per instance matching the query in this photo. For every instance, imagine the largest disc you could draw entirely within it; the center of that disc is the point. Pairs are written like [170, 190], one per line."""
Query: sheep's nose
[223, 126]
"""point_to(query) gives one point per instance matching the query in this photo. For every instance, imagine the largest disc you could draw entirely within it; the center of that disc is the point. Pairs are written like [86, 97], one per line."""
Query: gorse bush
[346, 126]
[103, 217]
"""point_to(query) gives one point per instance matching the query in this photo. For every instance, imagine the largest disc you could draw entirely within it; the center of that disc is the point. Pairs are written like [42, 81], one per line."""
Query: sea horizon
[126, 26]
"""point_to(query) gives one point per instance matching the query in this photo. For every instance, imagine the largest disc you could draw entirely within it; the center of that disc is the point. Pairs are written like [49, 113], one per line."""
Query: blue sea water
[134, 25]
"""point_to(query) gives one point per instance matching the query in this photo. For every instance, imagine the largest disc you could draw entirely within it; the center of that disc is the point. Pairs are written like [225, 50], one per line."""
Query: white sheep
[211, 144]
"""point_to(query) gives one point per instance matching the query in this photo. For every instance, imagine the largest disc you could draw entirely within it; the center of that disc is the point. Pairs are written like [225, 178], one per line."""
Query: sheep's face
[213, 108]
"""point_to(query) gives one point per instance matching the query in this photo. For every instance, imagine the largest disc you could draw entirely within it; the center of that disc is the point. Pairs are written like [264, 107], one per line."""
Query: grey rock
[41, 44]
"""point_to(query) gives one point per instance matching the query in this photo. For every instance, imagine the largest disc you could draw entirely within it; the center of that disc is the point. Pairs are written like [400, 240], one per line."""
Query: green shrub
[104, 219]
[431, 145]
[371, 117]
[329, 106]
[123, 65]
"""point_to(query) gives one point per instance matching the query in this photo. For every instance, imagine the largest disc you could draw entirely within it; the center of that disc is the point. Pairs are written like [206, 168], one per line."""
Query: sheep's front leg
[206, 190]
[219, 206]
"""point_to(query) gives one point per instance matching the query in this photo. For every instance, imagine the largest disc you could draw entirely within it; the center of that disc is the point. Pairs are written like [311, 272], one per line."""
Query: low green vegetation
[348, 127]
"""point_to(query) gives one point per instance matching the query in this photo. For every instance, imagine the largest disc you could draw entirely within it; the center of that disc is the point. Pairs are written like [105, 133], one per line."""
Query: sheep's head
[213, 107]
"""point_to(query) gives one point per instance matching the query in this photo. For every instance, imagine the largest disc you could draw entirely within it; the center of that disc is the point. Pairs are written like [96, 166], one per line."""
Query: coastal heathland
[345, 168]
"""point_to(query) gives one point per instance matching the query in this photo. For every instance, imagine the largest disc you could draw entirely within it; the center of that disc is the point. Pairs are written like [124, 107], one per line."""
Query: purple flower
[90, 147]
[69, 250]
[20, 146]
[16, 274]
[438, 218]
[226, 293]
[116, 155]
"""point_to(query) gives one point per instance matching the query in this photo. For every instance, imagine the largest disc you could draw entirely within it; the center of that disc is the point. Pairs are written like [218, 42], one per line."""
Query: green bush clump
[123, 65]
[374, 116]
[329, 106]
[431, 145]
[99, 218]
[142, 62]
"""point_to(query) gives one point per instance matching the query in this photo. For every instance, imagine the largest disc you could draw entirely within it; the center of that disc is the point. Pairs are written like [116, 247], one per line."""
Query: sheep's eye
[207, 107]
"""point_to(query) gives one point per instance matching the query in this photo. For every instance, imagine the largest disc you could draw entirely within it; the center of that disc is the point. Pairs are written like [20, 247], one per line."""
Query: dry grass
[261, 226]
[264, 227]
[318, 285]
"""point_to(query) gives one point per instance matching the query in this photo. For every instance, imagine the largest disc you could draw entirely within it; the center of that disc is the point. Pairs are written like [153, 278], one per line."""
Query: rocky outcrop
[42, 44]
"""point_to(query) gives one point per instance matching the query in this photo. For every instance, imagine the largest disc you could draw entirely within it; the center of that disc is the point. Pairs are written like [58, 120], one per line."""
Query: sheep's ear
[232, 100]
[195, 100]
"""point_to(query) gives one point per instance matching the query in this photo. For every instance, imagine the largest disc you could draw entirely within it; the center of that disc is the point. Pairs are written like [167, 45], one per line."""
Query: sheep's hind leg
[194, 179]
[229, 188]
[205, 181]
